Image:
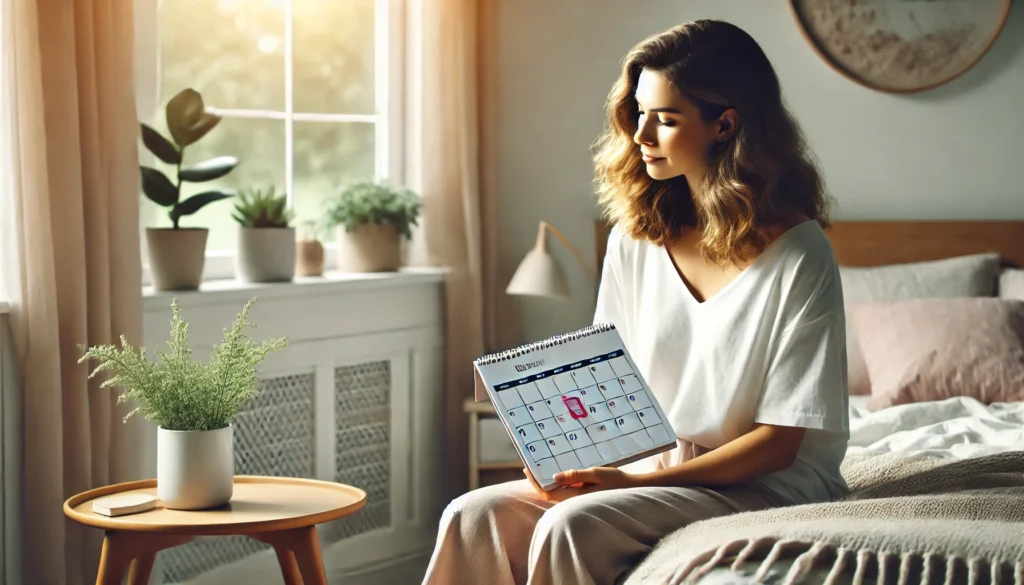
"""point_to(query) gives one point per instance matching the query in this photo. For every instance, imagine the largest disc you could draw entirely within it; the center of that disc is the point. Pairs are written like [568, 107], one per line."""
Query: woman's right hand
[558, 494]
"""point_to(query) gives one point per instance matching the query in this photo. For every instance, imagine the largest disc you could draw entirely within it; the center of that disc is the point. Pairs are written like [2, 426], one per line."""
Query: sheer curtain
[71, 261]
[451, 161]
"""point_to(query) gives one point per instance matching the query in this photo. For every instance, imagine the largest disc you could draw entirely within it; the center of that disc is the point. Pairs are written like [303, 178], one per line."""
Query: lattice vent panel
[274, 435]
[363, 425]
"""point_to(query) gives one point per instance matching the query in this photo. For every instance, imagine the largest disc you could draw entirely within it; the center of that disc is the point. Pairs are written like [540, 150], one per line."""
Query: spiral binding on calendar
[543, 344]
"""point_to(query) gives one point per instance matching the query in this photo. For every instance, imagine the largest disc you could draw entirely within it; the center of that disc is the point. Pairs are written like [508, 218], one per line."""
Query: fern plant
[187, 121]
[258, 208]
[374, 202]
[179, 392]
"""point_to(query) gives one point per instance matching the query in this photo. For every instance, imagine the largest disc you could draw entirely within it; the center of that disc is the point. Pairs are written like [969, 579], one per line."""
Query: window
[307, 89]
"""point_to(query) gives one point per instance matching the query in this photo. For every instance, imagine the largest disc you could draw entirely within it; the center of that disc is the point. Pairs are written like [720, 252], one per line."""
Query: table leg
[114, 559]
[138, 549]
[304, 544]
[307, 554]
[141, 567]
[289, 569]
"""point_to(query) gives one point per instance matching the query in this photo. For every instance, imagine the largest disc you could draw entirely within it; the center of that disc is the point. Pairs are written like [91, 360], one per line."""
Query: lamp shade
[539, 274]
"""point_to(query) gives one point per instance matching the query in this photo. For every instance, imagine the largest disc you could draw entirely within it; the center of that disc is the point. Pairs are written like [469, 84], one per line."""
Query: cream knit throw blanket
[905, 521]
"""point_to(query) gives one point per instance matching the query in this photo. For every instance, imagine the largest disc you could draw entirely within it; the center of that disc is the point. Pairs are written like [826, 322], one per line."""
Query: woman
[723, 285]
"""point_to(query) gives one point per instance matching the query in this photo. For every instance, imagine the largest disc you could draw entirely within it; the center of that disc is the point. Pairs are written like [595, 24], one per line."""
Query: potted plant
[370, 218]
[193, 404]
[266, 243]
[177, 255]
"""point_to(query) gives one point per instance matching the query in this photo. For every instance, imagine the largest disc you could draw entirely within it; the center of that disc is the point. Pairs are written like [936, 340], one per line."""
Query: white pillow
[962, 276]
[1011, 284]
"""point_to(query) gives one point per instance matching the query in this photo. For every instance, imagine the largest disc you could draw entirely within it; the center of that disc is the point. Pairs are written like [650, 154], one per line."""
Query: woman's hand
[557, 494]
[595, 479]
[583, 481]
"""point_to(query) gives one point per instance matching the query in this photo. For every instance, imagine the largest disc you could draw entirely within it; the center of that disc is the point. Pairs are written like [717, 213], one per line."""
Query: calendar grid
[586, 414]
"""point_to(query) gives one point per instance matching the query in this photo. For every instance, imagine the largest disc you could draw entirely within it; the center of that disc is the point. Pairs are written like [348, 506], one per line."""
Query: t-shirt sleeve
[806, 382]
[611, 293]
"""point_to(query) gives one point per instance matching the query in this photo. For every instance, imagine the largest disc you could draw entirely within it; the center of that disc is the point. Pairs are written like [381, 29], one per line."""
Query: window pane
[259, 147]
[231, 51]
[333, 56]
[328, 155]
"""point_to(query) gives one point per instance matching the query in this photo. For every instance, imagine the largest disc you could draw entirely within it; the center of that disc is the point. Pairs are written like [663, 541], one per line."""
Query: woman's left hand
[594, 479]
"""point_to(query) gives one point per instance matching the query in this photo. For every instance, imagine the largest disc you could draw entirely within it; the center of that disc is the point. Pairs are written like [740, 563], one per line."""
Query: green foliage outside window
[235, 56]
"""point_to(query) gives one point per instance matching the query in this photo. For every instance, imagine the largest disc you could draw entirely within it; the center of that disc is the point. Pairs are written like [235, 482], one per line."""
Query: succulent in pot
[266, 240]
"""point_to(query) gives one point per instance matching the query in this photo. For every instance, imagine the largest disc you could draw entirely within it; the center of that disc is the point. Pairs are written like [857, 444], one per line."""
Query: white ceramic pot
[195, 470]
[265, 254]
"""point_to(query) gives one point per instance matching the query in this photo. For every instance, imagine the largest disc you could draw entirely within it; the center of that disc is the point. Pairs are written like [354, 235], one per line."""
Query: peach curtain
[451, 163]
[71, 243]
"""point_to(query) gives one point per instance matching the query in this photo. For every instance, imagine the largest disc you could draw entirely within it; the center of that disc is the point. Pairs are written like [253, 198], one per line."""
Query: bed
[934, 328]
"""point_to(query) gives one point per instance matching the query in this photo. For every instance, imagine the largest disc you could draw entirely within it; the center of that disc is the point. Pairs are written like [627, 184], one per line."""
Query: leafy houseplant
[194, 405]
[370, 218]
[266, 241]
[177, 254]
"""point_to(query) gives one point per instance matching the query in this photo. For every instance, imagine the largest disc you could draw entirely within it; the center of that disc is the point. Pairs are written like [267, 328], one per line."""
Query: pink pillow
[933, 349]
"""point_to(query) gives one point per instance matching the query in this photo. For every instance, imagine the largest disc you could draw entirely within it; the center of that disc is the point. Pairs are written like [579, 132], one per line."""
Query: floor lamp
[539, 274]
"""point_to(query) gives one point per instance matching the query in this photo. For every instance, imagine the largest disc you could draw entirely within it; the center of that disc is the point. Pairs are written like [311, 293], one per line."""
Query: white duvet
[958, 428]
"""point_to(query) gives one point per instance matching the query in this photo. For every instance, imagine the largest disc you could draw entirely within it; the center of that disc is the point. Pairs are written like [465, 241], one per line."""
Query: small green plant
[258, 208]
[187, 122]
[181, 393]
[374, 202]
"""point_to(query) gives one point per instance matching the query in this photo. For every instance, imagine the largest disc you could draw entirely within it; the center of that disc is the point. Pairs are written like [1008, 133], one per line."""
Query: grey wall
[953, 152]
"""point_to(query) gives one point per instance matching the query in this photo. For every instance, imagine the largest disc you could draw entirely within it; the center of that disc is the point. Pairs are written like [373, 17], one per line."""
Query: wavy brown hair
[762, 175]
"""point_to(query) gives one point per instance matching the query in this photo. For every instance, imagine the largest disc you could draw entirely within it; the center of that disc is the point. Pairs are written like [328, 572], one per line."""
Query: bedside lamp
[539, 274]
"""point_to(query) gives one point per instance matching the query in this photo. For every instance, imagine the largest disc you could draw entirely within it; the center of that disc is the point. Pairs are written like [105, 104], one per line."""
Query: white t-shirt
[768, 348]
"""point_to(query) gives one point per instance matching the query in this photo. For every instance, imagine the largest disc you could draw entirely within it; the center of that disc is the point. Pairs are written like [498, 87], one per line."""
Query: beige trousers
[505, 534]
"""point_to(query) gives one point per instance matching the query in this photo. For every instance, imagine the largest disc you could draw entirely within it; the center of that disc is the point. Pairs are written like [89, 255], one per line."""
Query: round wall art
[901, 46]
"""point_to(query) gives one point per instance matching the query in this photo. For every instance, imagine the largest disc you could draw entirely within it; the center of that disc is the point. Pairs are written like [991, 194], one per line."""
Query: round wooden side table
[280, 511]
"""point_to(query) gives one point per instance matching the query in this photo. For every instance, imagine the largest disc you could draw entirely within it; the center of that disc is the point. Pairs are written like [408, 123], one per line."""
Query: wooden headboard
[875, 243]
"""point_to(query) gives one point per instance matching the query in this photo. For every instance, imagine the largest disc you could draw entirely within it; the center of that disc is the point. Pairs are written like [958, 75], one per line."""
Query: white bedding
[958, 427]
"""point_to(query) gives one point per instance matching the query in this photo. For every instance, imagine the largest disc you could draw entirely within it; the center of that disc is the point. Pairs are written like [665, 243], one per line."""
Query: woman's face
[672, 138]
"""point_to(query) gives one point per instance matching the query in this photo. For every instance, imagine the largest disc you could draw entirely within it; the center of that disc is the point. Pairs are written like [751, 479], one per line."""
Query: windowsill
[230, 290]
[233, 291]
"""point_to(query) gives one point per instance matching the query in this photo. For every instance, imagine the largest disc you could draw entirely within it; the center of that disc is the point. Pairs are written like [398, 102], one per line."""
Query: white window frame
[390, 122]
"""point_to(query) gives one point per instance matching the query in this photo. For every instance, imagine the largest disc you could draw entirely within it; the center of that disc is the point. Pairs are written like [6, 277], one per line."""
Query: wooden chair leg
[304, 546]
[138, 549]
